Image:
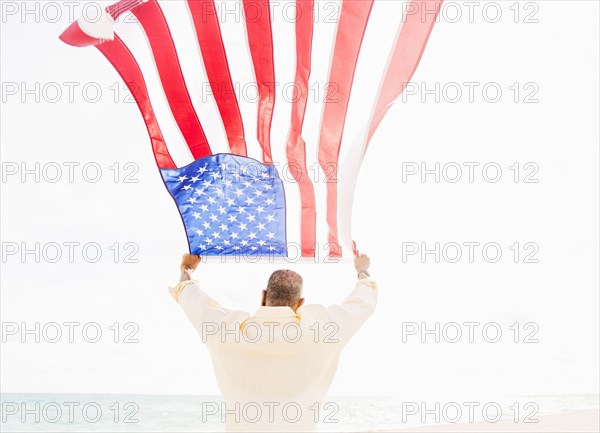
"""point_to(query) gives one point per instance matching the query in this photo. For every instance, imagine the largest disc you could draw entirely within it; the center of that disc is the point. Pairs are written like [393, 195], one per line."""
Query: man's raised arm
[197, 305]
[356, 308]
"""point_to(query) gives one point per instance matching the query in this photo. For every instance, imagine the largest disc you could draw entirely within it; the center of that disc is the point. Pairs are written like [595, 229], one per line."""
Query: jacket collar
[275, 312]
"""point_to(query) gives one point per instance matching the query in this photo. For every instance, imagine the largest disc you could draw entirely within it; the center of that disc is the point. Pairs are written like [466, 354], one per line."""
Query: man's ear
[263, 301]
[300, 302]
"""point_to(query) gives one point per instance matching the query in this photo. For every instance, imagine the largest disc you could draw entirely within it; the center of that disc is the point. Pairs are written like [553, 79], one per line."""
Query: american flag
[251, 176]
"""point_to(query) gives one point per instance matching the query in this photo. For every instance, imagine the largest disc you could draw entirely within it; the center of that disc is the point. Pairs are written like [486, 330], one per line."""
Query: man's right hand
[189, 263]
[362, 262]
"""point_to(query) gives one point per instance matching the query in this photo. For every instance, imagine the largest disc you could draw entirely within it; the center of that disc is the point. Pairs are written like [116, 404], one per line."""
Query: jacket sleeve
[207, 315]
[344, 320]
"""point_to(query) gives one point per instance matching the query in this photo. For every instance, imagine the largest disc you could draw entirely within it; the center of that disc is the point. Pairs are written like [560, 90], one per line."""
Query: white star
[206, 225]
[264, 175]
[271, 248]
[243, 226]
[270, 201]
[248, 184]
[199, 232]
[202, 247]
[241, 209]
[216, 235]
[204, 208]
[211, 200]
[219, 192]
[249, 201]
[202, 170]
[261, 242]
[236, 248]
[270, 218]
[223, 227]
[199, 191]
[195, 179]
[232, 218]
[260, 226]
[251, 218]
[213, 217]
[226, 242]
[252, 235]
[215, 175]
[192, 200]
[244, 243]
[230, 201]
[224, 166]
[206, 183]
[238, 192]
[233, 235]
[186, 187]
[208, 241]
[260, 209]
[182, 178]
[258, 193]
[253, 248]
[267, 187]
[196, 215]
[271, 235]
[227, 183]
[219, 247]
[221, 210]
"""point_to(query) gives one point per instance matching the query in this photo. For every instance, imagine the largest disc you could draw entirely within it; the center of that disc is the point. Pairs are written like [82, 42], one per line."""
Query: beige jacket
[274, 367]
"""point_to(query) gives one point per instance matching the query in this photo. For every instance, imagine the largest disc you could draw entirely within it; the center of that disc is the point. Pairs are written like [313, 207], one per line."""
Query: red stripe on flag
[153, 21]
[125, 64]
[117, 9]
[257, 15]
[208, 32]
[408, 50]
[296, 147]
[351, 29]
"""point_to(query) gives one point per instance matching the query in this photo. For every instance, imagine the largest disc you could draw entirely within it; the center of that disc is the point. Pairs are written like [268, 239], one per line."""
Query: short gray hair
[284, 288]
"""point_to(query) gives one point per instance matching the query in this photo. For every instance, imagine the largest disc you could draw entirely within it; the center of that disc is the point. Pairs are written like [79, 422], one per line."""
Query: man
[274, 367]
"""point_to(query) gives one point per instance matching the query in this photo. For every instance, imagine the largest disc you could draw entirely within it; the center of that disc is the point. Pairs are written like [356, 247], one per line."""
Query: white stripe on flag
[284, 47]
[235, 40]
[326, 23]
[182, 29]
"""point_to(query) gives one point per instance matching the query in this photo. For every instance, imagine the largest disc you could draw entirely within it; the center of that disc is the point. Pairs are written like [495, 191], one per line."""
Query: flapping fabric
[257, 15]
[296, 147]
[277, 204]
[409, 46]
[208, 32]
[351, 29]
[123, 61]
[155, 26]
[118, 9]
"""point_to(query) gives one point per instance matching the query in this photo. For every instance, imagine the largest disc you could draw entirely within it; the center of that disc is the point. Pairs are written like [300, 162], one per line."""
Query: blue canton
[230, 205]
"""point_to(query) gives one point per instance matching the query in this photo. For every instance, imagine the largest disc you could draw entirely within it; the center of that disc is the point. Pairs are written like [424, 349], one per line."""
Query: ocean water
[170, 413]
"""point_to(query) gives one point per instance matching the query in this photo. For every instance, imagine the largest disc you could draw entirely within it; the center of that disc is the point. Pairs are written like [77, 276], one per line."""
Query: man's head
[284, 289]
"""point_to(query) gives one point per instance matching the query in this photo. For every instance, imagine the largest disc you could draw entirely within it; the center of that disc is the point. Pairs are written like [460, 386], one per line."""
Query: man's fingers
[362, 261]
[191, 261]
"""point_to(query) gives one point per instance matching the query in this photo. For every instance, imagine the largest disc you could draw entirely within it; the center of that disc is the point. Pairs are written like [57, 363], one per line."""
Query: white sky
[559, 213]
